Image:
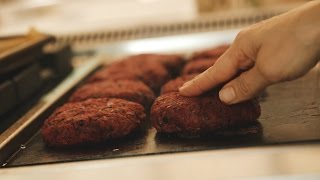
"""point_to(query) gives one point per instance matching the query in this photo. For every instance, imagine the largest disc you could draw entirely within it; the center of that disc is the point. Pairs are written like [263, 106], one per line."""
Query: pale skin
[282, 48]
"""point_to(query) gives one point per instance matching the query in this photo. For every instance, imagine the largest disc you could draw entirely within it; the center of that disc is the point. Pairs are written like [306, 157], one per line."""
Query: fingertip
[183, 90]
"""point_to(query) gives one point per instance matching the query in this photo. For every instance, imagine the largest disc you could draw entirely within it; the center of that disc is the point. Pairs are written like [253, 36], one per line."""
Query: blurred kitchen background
[61, 17]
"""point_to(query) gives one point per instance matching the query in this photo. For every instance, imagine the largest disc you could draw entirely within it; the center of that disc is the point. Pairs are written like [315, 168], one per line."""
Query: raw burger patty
[175, 84]
[92, 121]
[172, 62]
[152, 73]
[134, 91]
[197, 67]
[172, 113]
[210, 53]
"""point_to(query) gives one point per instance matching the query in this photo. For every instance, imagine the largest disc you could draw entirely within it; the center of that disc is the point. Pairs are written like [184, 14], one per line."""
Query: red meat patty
[197, 67]
[134, 91]
[172, 113]
[172, 62]
[152, 73]
[92, 121]
[175, 84]
[210, 53]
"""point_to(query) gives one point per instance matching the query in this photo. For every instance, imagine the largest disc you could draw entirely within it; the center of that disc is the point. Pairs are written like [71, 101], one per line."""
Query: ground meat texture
[92, 121]
[172, 62]
[175, 84]
[210, 53]
[134, 91]
[172, 113]
[152, 73]
[197, 67]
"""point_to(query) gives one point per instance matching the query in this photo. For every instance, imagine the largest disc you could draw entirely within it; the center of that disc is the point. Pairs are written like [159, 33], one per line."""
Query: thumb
[244, 87]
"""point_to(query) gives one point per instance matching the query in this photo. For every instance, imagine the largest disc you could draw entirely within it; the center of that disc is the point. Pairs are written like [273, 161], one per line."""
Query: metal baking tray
[290, 113]
[17, 89]
[8, 96]
[28, 81]
[18, 51]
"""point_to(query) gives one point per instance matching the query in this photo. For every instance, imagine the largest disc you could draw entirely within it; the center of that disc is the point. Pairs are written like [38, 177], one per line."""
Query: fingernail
[227, 95]
[185, 85]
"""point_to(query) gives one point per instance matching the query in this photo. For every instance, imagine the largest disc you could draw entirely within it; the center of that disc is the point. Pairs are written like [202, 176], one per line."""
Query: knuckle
[286, 75]
[244, 47]
[241, 35]
[273, 75]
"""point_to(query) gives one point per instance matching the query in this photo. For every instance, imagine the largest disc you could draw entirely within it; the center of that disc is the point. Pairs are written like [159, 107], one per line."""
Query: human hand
[279, 49]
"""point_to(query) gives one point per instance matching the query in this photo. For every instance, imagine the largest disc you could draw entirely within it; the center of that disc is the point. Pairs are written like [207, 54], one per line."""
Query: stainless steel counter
[300, 161]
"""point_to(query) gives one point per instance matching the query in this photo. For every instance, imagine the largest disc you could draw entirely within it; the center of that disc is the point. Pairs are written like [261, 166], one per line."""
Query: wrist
[307, 24]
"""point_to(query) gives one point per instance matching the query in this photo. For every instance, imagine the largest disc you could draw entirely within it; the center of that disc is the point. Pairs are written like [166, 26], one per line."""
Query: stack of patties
[112, 103]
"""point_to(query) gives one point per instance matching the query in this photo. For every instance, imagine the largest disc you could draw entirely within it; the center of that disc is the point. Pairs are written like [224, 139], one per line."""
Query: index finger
[223, 70]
